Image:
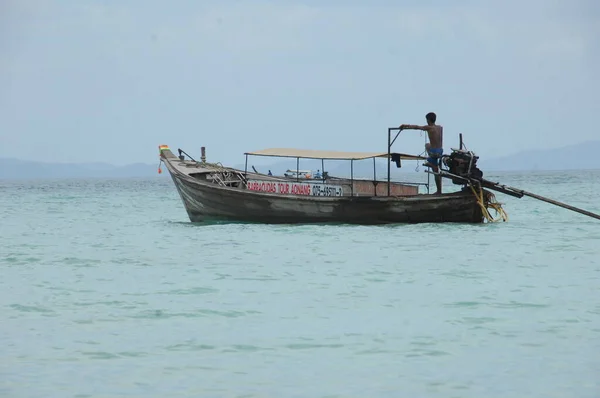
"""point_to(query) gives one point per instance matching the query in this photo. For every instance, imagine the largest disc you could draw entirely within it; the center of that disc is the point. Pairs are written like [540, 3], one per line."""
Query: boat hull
[205, 201]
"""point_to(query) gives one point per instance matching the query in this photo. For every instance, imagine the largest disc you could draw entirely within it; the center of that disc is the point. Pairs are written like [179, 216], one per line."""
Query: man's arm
[414, 127]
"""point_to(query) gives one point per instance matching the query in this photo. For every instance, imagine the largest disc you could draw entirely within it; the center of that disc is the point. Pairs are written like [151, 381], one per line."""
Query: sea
[107, 290]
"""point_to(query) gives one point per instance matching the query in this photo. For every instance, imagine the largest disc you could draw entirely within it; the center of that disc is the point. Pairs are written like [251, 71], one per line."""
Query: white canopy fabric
[316, 154]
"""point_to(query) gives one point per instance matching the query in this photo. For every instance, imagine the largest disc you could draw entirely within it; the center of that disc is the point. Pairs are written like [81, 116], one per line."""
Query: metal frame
[389, 164]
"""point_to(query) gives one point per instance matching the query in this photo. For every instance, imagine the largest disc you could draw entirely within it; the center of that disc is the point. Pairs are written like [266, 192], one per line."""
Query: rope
[424, 151]
[489, 203]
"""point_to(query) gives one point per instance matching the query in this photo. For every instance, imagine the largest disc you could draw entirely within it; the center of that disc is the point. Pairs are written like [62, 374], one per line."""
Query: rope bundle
[489, 202]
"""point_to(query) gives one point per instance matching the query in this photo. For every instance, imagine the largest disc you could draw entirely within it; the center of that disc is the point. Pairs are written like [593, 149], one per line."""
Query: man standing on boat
[434, 147]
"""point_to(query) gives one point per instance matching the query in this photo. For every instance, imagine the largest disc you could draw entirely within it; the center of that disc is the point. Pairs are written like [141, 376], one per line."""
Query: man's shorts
[435, 155]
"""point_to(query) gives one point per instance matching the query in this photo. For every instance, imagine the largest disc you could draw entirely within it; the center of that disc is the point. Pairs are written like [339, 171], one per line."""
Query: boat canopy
[316, 154]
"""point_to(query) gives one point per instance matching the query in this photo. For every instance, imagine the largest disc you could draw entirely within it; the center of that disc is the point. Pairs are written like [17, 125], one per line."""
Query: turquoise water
[108, 291]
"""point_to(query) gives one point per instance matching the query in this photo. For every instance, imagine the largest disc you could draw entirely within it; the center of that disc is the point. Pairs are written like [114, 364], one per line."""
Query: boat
[211, 192]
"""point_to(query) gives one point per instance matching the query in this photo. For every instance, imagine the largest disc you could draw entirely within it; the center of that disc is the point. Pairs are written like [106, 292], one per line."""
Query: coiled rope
[489, 202]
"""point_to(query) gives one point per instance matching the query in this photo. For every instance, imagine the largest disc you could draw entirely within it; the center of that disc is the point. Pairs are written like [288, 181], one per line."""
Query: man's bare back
[435, 133]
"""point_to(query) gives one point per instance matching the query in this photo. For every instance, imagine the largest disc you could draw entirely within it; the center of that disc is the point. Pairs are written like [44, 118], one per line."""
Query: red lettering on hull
[293, 188]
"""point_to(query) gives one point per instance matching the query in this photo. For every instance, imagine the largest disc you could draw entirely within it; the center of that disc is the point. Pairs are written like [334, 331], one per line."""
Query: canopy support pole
[351, 177]
[389, 159]
[374, 178]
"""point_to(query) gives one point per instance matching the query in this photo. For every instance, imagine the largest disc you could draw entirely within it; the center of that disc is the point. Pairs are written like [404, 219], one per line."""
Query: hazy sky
[111, 80]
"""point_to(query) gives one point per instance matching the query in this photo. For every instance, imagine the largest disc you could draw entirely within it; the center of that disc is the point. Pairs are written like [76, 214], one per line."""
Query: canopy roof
[316, 154]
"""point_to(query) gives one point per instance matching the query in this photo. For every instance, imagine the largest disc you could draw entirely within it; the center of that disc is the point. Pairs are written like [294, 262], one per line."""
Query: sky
[109, 81]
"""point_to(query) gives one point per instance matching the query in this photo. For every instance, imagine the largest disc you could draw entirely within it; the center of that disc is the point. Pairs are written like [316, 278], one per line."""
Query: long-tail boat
[213, 192]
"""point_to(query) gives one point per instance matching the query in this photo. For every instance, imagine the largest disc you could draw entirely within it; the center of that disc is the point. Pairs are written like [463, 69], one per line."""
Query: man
[434, 147]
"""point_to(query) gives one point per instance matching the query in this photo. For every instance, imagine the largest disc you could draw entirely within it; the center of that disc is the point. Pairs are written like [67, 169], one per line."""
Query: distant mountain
[23, 169]
[583, 156]
[574, 157]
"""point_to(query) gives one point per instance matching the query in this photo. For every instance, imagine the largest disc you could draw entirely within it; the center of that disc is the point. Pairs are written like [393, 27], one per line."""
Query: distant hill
[23, 169]
[583, 156]
[574, 157]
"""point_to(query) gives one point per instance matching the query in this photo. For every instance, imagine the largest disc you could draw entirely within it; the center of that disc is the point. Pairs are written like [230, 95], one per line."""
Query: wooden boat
[213, 192]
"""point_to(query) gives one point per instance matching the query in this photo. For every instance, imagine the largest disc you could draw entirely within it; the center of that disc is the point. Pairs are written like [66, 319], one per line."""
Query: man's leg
[434, 167]
[438, 180]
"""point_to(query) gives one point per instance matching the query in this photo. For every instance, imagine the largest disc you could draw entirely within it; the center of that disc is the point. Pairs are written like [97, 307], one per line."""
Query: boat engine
[462, 164]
